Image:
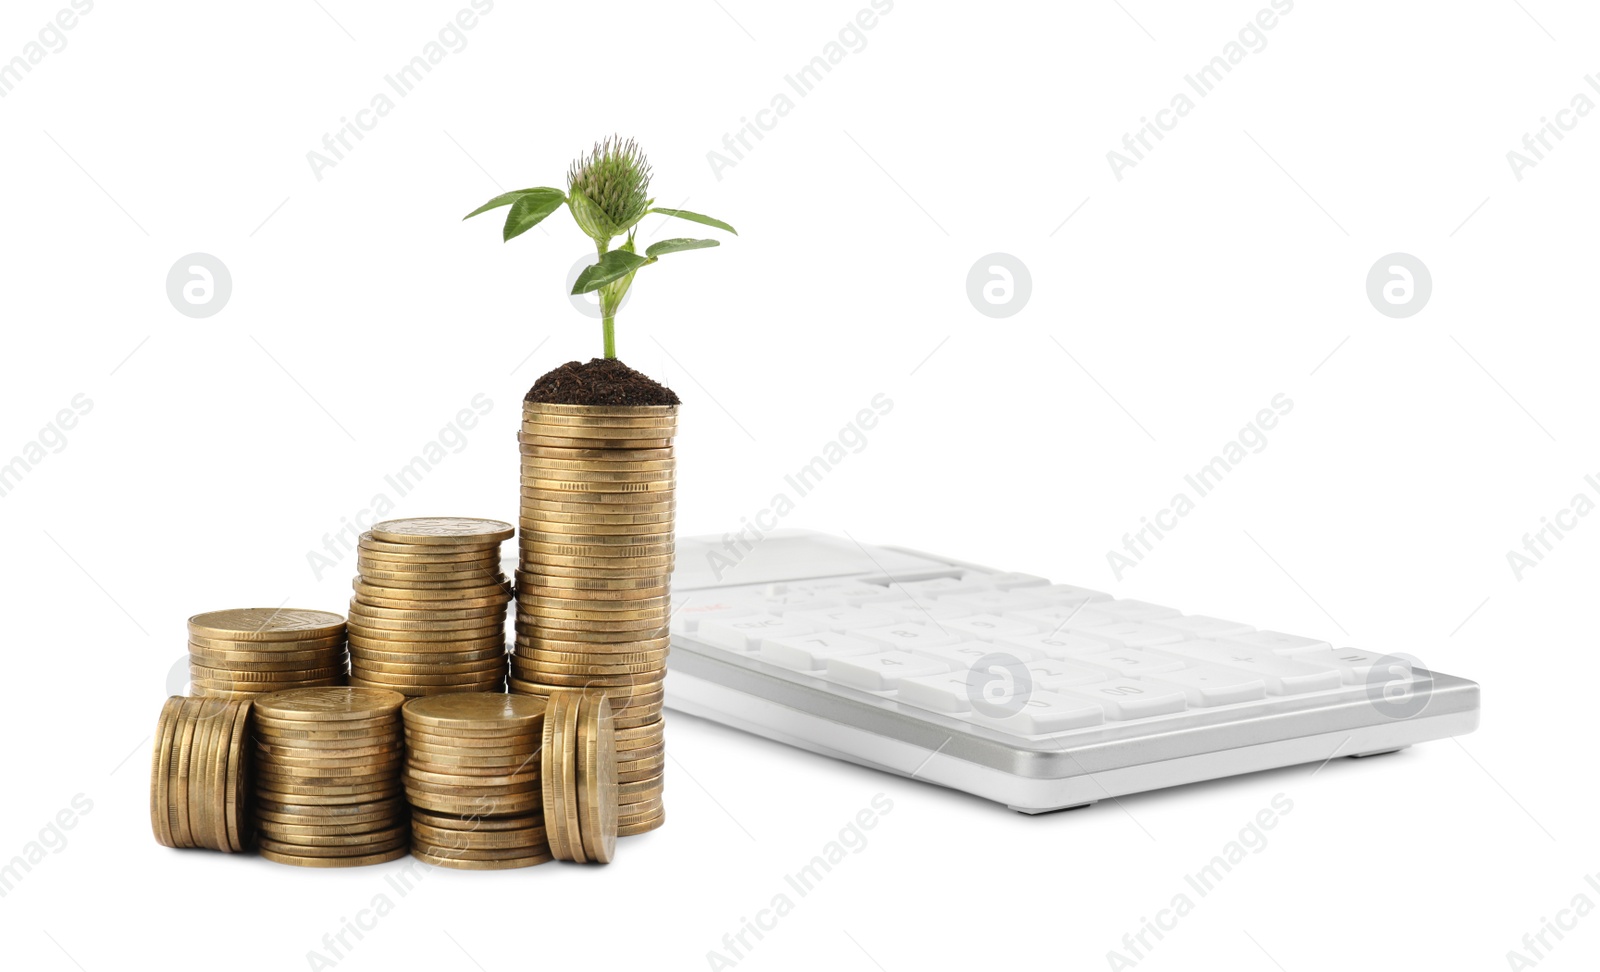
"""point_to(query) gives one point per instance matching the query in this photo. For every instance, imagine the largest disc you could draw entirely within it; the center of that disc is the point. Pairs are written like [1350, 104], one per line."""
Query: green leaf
[530, 209]
[696, 218]
[504, 199]
[673, 246]
[613, 265]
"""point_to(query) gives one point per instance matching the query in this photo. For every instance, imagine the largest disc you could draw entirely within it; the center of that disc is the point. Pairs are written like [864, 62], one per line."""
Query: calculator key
[800, 601]
[995, 602]
[844, 619]
[988, 626]
[882, 672]
[1130, 634]
[1276, 641]
[1124, 698]
[946, 692]
[1355, 666]
[921, 610]
[910, 634]
[688, 614]
[1062, 644]
[746, 633]
[1127, 610]
[941, 586]
[1200, 626]
[1047, 712]
[1067, 594]
[838, 588]
[1207, 685]
[964, 654]
[1132, 662]
[1064, 617]
[1283, 674]
[1051, 674]
[809, 652]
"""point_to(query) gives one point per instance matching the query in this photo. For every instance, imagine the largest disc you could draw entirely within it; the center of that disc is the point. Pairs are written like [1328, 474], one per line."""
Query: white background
[1227, 267]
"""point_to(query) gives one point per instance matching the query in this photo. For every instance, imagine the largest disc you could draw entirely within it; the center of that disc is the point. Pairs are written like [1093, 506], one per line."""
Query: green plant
[608, 193]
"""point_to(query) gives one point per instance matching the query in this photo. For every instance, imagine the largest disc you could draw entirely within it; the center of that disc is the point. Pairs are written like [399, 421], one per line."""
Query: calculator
[1037, 695]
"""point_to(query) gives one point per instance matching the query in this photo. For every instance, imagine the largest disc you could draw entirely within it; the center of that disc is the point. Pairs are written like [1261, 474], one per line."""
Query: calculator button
[1207, 685]
[1046, 712]
[800, 601]
[809, 652]
[1131, 662]
[946, 692]
[1067, 594]
[988, 626]
[1283, 675]
[963, 654]
[1013, 581]
[744, 634]
[1126, 610]
[834, 588]
[1062, 644]
[689, 613]
[1051, 674]
[844, 619]
[1130, 634]
[1124, 698]
[1276, 641]
[942, 586]
[1064, 617]
[1355, 666]
[1200, 626]
[911, 634]
[882, 672]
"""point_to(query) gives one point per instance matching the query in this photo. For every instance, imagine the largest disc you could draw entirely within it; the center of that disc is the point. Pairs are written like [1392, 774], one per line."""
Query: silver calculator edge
[1037, 776]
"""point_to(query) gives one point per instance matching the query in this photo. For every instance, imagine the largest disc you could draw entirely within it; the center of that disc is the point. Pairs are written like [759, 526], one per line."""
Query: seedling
[608, 193]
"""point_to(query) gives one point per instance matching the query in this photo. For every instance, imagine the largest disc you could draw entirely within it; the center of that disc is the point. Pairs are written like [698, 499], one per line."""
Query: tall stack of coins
[246, 652]
[579, 777]
[596, 553]
[472, 776]
[327, 778]
[429, 613]
[199, 774]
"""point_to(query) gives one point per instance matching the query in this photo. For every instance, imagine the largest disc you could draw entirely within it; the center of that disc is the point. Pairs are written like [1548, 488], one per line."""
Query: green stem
[611, 336]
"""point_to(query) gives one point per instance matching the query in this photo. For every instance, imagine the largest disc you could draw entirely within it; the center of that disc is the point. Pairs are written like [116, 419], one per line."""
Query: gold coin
[324, 658]
[441, 530]
[619, 480]
[535, 501]
[266, 624]
[397, 680]
[237, 691]
[658, 605]
[331, 779]
[545, 666]
[279, 791]
[486, 561]
[498, 736]
[596, 455]
[346, 811]
[398, 640]
[533, 839]
[558, 408]
[567, 805]
[474, 758]
[511, 714]
[329, 705]
[480, 805]
[532, 486]
[275, 752]
[409, 630]
[528, 438]
[237, 780]
[493, 668]
[497, 601]
[558, 421]
[406, 580]
[555, 521]
[576, 596]
[505, 783]
[356, 846]
[369, 614]
[250, 677]
[535, 561]
[526, 646]
[538, 655]
[556, 531]
[406, 553]
[597, 779]
[479, 824]
[592, 586]
[641, 827]
[550, 779]
[601, 465]
[361, 861]
[465, 865]
[268, 648]
[424, 647]
[381, 727]
[296, 832]
[484, 768]
[496, 684]
[448, 594]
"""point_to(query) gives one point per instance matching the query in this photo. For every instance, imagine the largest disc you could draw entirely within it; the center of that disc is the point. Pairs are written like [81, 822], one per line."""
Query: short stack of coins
[328, 791]
[429, 613]
[245, 652]
[199, 774]
[472, 777]
[593, 588]
[579, 776]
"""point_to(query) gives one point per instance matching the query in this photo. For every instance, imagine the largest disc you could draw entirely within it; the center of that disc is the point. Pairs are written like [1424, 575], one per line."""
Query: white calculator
[1040, 696]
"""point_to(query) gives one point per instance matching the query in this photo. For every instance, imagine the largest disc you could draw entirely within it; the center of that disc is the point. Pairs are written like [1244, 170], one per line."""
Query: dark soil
[602, 381]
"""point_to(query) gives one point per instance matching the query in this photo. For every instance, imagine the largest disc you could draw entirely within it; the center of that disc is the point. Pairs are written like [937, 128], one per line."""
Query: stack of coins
[246, 652]
[429, 613]
[579, 777]
[472, 776]
[198, 774]
[327, 780]
[596, 553]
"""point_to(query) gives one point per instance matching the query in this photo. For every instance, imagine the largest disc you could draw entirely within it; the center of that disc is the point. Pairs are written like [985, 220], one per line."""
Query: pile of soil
[602, 381]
